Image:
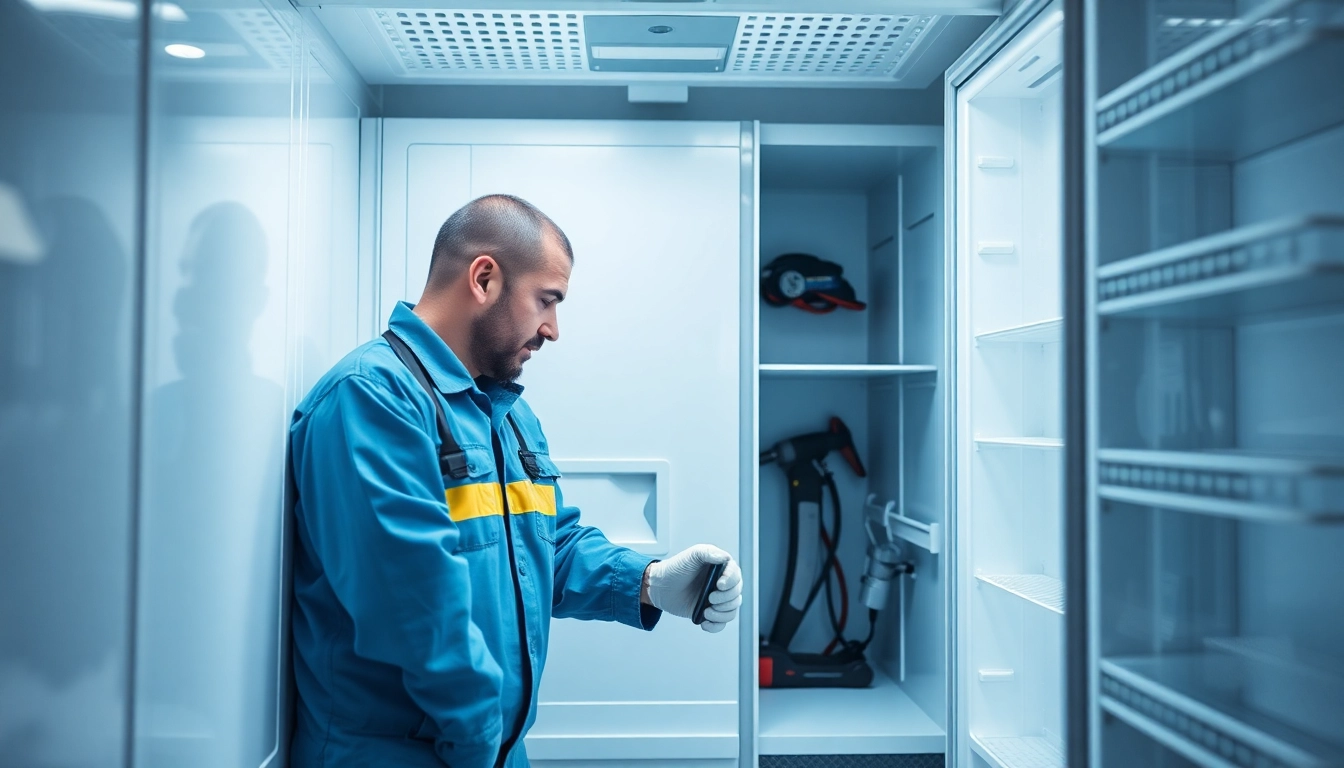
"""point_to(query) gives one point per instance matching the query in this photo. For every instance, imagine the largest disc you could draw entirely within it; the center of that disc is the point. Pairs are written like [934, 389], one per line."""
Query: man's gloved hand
[673, 585]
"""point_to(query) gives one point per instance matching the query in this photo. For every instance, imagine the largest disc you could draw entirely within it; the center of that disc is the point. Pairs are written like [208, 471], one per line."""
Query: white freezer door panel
[646, 369]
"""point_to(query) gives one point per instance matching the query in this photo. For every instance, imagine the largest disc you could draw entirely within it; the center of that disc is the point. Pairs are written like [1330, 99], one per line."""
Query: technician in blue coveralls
[423, 597]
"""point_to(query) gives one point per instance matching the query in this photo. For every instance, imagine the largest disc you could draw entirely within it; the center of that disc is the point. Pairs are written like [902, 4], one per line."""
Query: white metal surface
[626, 499]
[1045, 591]
[831, 721]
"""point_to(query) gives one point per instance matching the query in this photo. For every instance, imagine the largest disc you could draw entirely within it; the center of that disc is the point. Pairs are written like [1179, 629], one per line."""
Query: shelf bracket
[928, 536]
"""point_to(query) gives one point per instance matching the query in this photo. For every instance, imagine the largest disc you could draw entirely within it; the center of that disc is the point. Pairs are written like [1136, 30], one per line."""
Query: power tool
[842, 664]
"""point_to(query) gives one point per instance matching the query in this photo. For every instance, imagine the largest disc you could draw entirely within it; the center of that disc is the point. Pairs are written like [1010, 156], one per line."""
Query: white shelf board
[1017, 751]
[846, 721]
[1045, 591]
[1019, 442]
[1043, 332]
[842, 369]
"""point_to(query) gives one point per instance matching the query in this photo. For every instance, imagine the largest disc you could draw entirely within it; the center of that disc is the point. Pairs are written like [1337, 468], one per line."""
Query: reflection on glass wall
[68, 265]
[210, 310]
[245, 189]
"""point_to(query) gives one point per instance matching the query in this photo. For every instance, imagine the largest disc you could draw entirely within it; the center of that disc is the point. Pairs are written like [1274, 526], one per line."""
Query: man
[433, 544]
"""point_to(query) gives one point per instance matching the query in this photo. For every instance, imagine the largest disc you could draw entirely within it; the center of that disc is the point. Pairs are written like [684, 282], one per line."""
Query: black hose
[834, 551]
[872, 630]
[822, 579]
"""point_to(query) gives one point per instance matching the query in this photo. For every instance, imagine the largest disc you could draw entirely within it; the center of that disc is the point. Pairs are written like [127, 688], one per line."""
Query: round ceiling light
[183, 51]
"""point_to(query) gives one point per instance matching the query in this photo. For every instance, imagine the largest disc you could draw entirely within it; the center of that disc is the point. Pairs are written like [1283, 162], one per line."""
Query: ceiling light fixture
[657, 53]
[183, 51]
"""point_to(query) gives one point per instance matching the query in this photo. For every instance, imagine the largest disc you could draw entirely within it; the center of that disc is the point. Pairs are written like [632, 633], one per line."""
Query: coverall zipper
[517, 734]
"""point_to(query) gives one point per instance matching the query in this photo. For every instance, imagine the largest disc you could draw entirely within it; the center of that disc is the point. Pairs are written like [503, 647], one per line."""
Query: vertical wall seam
[140, 259]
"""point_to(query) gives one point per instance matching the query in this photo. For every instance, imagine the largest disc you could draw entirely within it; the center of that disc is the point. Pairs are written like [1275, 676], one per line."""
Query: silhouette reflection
[64, 430]
[211, 525]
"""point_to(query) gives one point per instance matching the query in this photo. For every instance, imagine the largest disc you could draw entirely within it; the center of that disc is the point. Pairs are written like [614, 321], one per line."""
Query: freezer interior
[1009, 405]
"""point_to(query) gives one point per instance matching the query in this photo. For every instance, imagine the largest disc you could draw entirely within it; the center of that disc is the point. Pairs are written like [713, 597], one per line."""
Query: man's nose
[550, 330]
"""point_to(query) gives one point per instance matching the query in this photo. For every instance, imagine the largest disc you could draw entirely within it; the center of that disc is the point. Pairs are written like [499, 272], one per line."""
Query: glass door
[1216, 423]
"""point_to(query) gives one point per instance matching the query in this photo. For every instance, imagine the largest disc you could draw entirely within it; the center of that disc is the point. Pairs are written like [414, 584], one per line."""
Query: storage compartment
[870, 200]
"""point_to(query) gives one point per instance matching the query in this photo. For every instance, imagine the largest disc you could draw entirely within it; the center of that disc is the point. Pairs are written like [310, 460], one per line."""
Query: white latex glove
[674, 586]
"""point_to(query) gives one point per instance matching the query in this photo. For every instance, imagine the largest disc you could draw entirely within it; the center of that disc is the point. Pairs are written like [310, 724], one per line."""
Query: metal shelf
[1047, 443]
[1043, 332]
[825, 370]
[844, 721]
[1196, 704]
[1226, 484]
[1045, 591]
[1290, 263]
[1017, 751]
[1250, 87]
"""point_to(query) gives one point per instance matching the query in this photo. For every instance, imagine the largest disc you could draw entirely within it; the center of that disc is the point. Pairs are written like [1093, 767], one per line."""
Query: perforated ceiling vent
[477, 41]
[825, 44]
[540, 44]
[263, 33]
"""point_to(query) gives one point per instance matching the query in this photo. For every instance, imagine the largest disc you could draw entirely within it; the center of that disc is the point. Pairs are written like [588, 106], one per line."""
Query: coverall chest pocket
[475, 505]
[547, 501]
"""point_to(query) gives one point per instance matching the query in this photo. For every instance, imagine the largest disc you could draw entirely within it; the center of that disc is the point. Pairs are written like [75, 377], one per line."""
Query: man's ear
[485, 277]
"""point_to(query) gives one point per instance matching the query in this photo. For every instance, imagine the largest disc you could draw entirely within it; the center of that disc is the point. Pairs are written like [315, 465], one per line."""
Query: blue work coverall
[421, 615]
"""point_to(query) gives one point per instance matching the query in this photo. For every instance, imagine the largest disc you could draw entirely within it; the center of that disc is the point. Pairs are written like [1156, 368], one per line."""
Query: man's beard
[495, 345]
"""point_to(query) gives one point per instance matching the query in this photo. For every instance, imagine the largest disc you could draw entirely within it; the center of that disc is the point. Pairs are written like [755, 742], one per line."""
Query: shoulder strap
[525, 454]
[452, 459]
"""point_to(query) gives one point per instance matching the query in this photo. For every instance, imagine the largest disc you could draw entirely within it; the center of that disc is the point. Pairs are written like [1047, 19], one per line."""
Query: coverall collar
[445, 369]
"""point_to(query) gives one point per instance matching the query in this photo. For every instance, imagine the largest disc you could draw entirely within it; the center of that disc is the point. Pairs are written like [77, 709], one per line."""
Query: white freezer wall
[646, 369]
